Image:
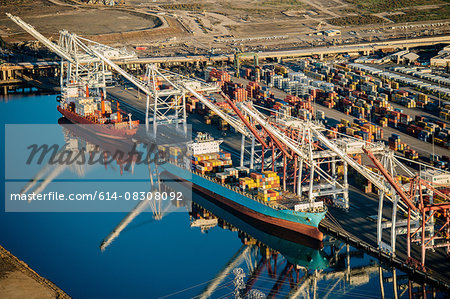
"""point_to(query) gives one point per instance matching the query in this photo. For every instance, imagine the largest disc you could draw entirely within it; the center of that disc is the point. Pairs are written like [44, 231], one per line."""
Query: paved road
[301, 52]
[130, 97]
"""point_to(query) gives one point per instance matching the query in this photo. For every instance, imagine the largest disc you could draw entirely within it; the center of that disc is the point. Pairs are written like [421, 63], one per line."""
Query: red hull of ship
[99, 129]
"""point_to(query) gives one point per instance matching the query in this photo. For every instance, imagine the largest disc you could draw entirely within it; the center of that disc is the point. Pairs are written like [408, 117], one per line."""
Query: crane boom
[361, 169]
[30, 29]
[275, 136]
[129, 77]
[244, 120]
[234, 123]
[391, 180]
[283, 140]
[438, 192]
[275, 133]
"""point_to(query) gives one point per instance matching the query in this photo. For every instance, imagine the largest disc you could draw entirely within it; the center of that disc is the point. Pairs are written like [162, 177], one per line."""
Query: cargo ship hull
[305, 223]
[105, 130]
[296, 248]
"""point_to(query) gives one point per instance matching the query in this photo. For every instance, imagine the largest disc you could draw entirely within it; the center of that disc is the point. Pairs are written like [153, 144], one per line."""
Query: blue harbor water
[175, 250]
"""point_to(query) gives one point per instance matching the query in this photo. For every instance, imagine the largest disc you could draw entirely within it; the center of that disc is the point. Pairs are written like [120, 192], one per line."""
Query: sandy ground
[202, 26]
[17, 280]
[87, 21]
[18, 285]
[49, 17]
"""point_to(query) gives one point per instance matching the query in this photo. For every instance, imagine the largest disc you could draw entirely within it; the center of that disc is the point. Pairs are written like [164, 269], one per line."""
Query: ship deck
[287, 202]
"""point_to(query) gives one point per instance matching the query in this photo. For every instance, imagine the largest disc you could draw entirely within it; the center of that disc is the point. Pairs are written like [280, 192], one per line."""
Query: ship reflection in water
[90, 142]
[272, 262]
[281, 264]
[284, 264]
[277, 267]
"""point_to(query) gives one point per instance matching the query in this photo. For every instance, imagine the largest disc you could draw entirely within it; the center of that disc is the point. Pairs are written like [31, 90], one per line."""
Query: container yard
[349, 101]
[372, 99]
[330, 163]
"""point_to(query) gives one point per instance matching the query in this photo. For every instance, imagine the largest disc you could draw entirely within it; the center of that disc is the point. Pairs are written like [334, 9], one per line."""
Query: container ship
[80, 108]
[252, 194]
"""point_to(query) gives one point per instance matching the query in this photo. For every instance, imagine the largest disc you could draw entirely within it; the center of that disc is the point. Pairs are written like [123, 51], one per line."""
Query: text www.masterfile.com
[97, 195]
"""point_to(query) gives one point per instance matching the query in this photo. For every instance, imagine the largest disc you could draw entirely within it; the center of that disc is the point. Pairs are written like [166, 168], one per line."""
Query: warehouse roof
[411, 56]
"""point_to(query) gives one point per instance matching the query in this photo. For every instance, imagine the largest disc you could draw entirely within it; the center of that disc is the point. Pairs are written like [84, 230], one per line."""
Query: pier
[357, 226]
[359, 230]
[403, 215]
[42, 75]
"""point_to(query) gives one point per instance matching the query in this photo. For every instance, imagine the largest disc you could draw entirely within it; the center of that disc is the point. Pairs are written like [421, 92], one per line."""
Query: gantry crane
[414, 198]
[85, 61]
[303, 149]
[383, 181]
[237, 57]
[78, 61]
[168, 105]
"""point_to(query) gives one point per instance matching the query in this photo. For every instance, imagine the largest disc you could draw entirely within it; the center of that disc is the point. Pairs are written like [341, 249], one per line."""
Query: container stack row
[211, 163]
[360, 129]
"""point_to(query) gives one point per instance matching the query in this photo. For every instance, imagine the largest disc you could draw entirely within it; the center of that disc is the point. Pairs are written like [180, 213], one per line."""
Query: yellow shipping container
[423, 97]
[429, 129]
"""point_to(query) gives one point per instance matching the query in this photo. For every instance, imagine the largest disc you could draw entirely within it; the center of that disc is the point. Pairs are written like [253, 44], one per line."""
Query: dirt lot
[253, 25]
[50, 17]
[202, 26]
[87, 22]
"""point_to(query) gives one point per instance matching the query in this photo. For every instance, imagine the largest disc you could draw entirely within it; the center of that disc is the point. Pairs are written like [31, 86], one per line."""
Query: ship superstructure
[254, 194]
[77, 105]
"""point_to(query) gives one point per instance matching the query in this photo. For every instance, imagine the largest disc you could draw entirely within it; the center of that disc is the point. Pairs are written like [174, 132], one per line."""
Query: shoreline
[18, 280]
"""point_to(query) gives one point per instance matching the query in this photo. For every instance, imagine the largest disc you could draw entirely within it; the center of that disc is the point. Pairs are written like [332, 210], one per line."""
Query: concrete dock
[355, 226]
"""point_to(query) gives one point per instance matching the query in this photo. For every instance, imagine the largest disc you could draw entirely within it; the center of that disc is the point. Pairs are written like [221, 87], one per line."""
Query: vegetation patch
[355, 20]
[388, 5]
[414, 15]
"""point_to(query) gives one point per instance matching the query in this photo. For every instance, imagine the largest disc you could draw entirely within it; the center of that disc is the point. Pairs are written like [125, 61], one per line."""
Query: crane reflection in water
[271, 263]
[283, 264]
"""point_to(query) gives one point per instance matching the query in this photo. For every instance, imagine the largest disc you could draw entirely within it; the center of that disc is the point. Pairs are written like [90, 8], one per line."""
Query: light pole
[439, 95]
[432, 142]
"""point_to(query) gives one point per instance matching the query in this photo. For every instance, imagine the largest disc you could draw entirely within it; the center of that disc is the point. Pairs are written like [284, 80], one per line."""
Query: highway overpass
[362, 48]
